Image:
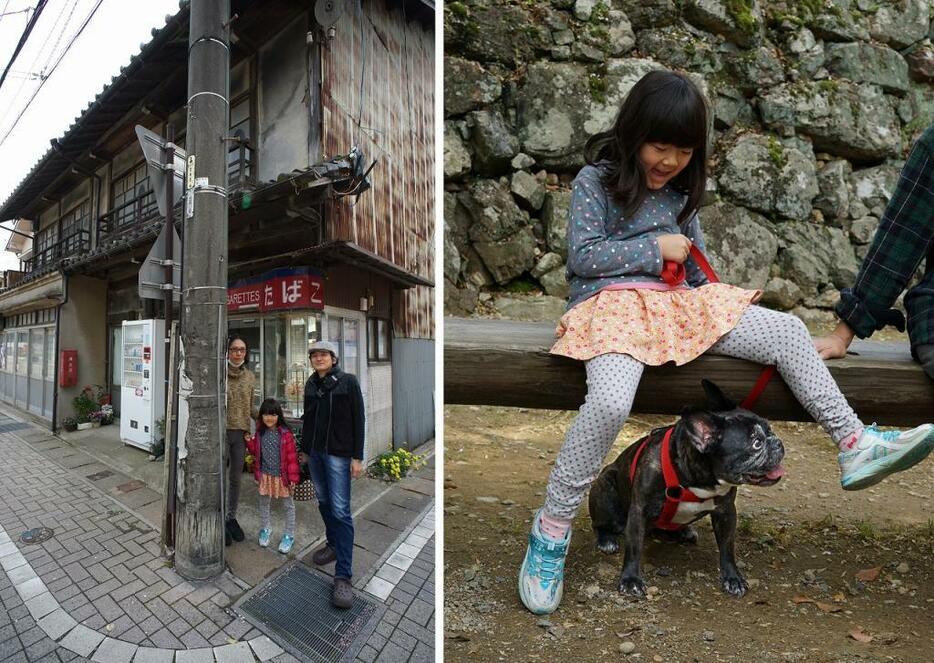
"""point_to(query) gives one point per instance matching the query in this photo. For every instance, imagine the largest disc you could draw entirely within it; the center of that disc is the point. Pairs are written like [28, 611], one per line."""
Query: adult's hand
[302, 457]
[356, 468]
[674, 247]
[834, 345]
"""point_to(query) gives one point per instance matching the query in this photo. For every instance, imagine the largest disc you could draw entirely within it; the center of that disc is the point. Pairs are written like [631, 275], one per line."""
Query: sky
[114, 34]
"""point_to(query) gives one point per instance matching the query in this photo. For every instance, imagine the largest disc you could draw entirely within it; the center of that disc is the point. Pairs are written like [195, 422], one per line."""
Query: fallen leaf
[839, 597]
[802, 599]
[868, 575]
[858, 635]
[828, 607]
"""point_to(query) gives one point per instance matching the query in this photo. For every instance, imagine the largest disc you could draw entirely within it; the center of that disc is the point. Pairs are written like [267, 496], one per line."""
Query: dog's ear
[702, 429]
[716, 399]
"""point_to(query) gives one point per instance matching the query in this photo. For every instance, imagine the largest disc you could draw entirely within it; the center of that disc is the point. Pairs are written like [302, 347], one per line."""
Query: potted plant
[84, 404]
[95, 418]
[107, 415]
[70, 424]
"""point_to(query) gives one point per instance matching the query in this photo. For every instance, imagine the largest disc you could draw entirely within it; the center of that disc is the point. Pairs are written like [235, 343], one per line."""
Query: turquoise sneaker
[264, 535]
[541, 578]
[878, 454]
[285, 545]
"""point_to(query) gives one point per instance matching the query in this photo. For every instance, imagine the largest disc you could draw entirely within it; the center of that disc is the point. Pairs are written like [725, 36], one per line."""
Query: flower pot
[95, 424]
[84, 426]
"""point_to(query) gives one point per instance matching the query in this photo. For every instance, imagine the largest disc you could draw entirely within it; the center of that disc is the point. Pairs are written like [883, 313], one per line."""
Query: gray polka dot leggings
[762, 335]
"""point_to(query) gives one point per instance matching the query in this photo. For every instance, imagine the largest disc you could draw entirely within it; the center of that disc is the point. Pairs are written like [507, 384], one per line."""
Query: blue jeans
[331, 476]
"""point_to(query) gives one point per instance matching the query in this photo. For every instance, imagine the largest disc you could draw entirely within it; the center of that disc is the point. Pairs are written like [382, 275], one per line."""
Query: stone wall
[815, 104]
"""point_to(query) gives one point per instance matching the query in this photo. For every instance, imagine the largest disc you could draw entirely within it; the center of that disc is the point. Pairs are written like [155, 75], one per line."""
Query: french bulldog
[713, 450]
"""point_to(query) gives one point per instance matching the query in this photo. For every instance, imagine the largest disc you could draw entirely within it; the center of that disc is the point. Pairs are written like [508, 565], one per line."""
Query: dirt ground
[834, 575]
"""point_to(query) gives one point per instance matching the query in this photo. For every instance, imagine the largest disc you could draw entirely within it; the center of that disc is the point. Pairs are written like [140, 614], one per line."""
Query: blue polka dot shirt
[606, 249]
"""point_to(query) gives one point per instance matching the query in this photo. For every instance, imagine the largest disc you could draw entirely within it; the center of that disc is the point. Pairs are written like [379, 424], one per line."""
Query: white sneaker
[877, 454]
[541, 578]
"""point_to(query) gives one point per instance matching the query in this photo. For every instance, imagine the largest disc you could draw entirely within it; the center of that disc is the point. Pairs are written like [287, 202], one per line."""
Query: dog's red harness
[675, 493]
[674, 273]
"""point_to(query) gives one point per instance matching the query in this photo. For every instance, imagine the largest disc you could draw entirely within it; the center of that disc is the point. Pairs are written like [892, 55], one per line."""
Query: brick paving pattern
[100, 588]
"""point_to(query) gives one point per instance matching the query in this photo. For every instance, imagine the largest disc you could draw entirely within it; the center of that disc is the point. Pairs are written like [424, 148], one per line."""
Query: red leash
[674, 273]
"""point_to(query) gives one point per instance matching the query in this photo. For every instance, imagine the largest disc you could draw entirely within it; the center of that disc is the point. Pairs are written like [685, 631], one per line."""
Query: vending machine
[143, 399]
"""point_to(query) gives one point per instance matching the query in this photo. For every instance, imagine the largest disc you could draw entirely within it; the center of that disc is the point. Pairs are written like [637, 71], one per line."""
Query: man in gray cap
[332, 445]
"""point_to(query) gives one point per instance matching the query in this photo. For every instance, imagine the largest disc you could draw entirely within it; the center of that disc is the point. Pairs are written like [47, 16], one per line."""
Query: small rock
[709, 636]
[627, 647]
[902, 568]
[591, 590]
[544, 623]
[652, 591]
[823, 495]
[488, 499]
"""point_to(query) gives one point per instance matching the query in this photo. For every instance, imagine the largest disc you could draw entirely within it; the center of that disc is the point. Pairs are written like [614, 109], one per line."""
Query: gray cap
[323, 346]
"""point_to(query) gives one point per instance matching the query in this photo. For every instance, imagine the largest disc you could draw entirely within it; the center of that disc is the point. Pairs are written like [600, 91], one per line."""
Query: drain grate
[296, 607]
[13, 426]
[36, 535]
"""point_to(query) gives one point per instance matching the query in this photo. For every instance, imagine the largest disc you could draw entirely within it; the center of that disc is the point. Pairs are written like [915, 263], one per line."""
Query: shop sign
[277, 290]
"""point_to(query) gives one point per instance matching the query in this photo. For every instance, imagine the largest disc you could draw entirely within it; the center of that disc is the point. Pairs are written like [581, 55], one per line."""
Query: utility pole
[199, 540]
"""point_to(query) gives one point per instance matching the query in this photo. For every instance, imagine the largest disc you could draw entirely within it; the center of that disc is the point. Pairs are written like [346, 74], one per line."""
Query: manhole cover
[296, 608]
[103, 474]
[36, 535]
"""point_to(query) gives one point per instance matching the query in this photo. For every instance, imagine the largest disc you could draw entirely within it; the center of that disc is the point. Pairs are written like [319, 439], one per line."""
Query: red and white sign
[278, 290]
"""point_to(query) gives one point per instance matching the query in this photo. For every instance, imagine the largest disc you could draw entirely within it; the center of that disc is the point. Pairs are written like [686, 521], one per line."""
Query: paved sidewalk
[99, 590]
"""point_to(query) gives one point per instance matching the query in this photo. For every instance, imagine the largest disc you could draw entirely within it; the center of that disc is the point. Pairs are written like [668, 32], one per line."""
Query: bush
[70, 423]
[84, 404]
[394, 465]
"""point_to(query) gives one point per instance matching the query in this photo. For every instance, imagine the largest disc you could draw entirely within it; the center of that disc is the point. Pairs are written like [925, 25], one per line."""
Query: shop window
[379, 340]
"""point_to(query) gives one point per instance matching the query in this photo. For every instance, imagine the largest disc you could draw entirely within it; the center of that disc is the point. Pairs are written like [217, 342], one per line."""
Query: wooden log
[504, 362]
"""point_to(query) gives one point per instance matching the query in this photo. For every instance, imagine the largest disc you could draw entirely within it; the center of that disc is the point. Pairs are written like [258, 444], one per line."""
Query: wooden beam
[503, 362]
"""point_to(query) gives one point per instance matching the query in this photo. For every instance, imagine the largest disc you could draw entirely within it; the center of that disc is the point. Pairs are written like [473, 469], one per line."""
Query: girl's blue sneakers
[877, 454]
[285, 545]
[541, 578]
[264, 535]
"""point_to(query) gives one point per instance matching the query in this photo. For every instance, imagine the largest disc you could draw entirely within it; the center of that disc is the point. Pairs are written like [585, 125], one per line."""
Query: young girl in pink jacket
[275, 468]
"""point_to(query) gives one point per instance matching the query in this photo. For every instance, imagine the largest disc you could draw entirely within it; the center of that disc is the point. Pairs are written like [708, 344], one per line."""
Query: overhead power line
[49, 73]
[22, 40]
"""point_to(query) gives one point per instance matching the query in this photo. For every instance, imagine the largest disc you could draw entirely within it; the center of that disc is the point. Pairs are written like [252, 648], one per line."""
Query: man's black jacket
[334, 416]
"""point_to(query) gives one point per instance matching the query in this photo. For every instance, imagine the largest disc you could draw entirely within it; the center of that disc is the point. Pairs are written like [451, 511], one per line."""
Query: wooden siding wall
[395, 218]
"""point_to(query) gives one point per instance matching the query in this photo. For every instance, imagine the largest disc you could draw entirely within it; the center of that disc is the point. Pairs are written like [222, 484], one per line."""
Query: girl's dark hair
[237, 337]
[269, 406]
[663, 107]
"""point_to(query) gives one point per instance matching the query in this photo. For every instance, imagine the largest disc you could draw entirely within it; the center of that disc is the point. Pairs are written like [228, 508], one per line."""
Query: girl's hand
[246, 436]
[674, 247]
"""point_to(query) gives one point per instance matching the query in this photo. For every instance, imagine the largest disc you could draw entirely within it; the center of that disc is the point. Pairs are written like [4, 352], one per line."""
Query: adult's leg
[319, 477]
[338, 471]
[612, 380]
[771, 337]
[236, 453]
[919, 303]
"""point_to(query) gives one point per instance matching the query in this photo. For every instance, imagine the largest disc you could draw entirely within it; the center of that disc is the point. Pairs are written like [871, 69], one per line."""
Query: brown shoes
[342, 594]
[324, 555]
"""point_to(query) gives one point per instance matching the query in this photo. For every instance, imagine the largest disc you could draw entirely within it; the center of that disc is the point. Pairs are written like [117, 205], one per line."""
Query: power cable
[51, 71]
[22, 40]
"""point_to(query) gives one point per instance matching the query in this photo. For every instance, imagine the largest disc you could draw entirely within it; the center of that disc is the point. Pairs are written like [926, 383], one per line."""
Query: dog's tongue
[776, 473]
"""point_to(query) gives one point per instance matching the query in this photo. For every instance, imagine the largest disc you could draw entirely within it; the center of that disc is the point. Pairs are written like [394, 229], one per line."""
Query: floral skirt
[273, 486]
[652, 326]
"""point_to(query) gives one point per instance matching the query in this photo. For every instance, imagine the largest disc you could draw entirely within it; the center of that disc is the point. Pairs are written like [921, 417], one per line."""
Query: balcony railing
[130, 214]
[50, 255]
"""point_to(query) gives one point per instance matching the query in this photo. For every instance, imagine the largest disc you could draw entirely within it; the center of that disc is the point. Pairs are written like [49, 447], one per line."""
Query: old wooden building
[316, 250]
